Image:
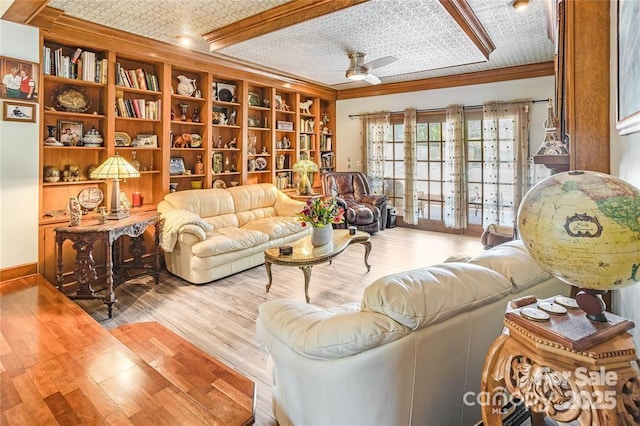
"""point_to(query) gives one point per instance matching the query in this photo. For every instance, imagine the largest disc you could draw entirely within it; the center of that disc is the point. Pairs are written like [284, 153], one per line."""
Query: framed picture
[18, 111]
[254, 99]
[70, 132]
[176, 166]
[628, 67]
[147, 141]
[225, 92]
[219, 115]
[253, 122]
[19, 79]
[217, 162]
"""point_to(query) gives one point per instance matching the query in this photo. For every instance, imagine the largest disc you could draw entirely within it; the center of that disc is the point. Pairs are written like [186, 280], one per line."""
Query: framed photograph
[176, 166]
[225, 92]
[70, 132]
[628, 67]
[254, 99]
[19, 79]
[18, 111]
[253, 122]
[217, 162]
[147, 141]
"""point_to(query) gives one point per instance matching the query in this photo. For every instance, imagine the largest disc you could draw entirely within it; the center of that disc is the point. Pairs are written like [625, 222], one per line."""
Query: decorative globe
[584, 228]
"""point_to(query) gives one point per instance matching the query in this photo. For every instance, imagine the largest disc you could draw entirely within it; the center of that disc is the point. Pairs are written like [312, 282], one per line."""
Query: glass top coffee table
[304, 255]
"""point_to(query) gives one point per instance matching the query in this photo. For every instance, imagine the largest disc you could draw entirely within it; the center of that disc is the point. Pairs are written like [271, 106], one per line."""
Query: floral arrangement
[321, 212]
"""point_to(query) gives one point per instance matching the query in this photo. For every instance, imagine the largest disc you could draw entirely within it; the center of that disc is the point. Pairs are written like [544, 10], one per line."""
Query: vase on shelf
[183, 111]
[134, 160]
[75, 212]
[199, 167]
[321, 236]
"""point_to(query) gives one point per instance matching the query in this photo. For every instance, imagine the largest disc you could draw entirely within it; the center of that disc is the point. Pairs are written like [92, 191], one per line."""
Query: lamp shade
[115, 167]
[305, 166]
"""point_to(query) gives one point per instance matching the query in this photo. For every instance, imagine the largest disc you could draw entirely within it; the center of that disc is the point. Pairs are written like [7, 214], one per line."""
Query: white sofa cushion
[514, 262]
[226, 240]
[204, 203]
[319, 334]
[275, 227]
[253, 197]
[429, 295]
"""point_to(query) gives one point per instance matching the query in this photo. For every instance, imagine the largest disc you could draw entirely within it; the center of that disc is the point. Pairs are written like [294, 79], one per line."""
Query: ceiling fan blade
[378, 63]
[372, 79]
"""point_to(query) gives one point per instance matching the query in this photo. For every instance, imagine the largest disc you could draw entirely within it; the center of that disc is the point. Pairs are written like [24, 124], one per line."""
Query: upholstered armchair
[366, 211]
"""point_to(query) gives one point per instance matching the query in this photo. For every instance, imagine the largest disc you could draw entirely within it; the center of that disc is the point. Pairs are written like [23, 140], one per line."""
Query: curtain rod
[440, 109]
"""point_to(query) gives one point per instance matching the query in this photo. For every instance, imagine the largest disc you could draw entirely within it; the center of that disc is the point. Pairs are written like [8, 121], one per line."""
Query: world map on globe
[584, 228]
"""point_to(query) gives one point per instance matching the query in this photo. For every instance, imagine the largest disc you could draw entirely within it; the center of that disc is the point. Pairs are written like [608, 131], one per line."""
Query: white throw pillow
[433, 294]
[514, 262]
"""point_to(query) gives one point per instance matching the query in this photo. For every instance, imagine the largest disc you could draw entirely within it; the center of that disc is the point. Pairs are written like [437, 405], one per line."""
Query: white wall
[19, 163]
[349, 142]
[625, 164]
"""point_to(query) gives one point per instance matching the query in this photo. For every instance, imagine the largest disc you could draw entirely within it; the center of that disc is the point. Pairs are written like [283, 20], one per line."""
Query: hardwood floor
[219, 317]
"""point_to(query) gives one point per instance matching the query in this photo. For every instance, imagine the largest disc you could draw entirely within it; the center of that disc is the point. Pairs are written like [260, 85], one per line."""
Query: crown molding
[490, 76]
[274, 19]
[23, 11]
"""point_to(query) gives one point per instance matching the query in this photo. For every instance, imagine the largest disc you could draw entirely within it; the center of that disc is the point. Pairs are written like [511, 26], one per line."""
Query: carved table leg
[110, 295]
[307, 277]
[84, 270]
[267, 265]
[156, 254]
[60, 265]
[491, 407]
[367, 250]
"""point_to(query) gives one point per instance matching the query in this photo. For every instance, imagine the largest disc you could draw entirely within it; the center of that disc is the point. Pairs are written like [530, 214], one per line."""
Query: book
[76, 55]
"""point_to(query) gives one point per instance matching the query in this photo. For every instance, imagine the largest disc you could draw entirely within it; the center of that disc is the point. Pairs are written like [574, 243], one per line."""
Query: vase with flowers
[320, 214]
[303, 168]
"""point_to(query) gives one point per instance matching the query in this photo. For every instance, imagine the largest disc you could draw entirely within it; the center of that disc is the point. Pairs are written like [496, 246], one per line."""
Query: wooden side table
[304, 198]
[84, 238]
[595, 386]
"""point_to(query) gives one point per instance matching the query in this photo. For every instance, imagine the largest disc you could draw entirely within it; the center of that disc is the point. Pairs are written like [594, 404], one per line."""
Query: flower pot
[321, 236]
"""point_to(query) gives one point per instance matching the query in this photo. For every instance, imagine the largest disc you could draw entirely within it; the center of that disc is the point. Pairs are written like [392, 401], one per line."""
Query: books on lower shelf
[326, 160]
[138, 108]
[82, 65]
[326, 142]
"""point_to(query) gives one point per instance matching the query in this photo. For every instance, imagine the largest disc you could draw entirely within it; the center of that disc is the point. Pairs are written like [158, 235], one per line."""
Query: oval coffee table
[304, 255]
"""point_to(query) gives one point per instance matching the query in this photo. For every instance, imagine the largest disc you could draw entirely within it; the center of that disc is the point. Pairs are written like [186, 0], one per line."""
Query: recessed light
[185, 41]
[520, 5]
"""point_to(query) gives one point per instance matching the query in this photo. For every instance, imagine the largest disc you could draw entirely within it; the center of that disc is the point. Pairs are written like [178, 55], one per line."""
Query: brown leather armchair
[366, 211]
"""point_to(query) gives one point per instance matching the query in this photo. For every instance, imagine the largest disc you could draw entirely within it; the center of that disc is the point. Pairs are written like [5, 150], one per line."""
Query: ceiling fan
[359, 70]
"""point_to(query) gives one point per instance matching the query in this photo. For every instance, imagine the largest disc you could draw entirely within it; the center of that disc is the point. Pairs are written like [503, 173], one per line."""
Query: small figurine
[234, 143]
[265, 103]
[75, 212]
[264, 150]
[183, 111]
[182, 141]
[231, 121]
[219, 143]
[195, 117]
[304, 107]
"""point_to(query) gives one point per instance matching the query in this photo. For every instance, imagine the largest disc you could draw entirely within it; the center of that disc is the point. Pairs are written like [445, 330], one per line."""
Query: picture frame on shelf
[147, 141]
[13, 72]
[70, 132]
[254, 99]
[253, 122]
[628, 108]
[219, 115]
[176, 166]
[217, 162]
[18, 111]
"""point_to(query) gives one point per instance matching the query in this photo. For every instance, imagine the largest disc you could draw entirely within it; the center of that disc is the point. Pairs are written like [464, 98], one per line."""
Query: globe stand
[591, 302]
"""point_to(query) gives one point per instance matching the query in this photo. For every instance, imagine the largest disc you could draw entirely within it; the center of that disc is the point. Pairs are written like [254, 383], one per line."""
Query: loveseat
[208, 234]
[410, 353]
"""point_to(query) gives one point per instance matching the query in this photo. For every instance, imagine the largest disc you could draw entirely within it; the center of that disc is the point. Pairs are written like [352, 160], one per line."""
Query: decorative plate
[90, 198]
[71, 98]
[122, 139]
[196, 140]
[219, 184]
[261, 163]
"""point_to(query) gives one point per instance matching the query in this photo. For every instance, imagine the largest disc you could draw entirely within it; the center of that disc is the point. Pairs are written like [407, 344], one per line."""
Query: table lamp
[303, 168]
[115, 168]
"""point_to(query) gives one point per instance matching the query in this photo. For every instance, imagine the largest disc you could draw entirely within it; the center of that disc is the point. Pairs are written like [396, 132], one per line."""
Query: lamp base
[117, 215]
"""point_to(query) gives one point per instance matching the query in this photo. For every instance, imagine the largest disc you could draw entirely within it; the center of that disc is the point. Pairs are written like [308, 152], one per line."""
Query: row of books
[307, 125]
[305, 143]
[137, 78]
[82, 65]
[326, 160]
[326, 142]
[138, 108]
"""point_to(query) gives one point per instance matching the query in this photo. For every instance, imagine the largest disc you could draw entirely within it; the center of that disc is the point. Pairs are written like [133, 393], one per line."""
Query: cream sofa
[411, 353]
[212, 233]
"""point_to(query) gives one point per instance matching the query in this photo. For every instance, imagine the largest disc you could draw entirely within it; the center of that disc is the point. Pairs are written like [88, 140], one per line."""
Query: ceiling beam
[23, 11]
[470, 24]
[279, 17]
[481, 77]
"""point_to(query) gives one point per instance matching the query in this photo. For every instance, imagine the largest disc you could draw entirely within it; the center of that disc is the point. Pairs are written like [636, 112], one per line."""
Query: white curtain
[410, 168]
[507, 172]
[375, 132]
[454, 172]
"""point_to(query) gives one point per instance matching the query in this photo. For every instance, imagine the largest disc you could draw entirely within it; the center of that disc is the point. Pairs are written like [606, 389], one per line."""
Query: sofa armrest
[192, 230]
[380, 201]
[286, 206]
[316, 333]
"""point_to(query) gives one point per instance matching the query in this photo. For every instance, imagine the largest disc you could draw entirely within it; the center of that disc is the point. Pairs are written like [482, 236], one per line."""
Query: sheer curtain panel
[410, 167]
[454, 172]
[375, 131]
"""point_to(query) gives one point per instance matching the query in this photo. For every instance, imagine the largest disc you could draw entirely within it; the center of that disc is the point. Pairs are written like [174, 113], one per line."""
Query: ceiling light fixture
[185, 40]
[356, 76]
[520, 5]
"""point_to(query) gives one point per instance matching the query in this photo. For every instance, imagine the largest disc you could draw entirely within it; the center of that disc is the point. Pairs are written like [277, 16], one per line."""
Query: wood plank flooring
[219, 317]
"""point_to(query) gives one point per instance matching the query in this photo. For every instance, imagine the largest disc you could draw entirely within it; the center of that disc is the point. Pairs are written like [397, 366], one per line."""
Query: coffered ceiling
[422, 34]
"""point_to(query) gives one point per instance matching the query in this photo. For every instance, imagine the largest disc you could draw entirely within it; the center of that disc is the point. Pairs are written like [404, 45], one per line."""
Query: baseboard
[19, 271]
